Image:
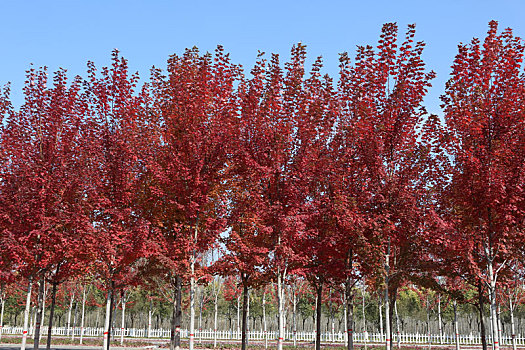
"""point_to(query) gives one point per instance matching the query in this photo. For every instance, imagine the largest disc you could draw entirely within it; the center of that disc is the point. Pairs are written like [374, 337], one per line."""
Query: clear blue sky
[68, 33]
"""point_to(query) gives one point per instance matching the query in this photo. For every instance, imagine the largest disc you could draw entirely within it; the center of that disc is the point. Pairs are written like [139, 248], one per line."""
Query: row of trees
[285, 174]
[148, 308]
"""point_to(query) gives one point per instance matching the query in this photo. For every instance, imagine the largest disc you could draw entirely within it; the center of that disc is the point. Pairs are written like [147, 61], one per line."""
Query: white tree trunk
[387, 299]
[380, 307]
[280, 310]
[428, 325]
[192, 289]
[493, 306]
[264, 319]
[439, 320]
[192, 307]
[26, 314]
[364, 316]
[294, 301]
[74, 323]
[2, 306]
[201, 304]
[69, 312]
[123, 321]
[215, 320]
[43, 309]
[238, 315]
[107, 322]
[397, 326]
[150, 312]
[500, 328]
[456, 326]
[345, 313]
[512, 327]
[83, 314]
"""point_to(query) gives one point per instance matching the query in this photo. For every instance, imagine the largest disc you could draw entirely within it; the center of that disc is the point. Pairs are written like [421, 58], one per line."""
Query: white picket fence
[209, 334]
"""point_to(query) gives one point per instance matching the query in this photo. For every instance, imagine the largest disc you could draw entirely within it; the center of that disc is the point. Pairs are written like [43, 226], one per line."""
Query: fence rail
[333, 337]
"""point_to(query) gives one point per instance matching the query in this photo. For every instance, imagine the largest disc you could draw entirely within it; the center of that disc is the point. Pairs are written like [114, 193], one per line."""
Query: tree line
[283, 173]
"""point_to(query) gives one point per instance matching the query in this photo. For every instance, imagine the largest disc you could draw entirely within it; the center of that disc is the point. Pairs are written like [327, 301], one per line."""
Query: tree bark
[492, 298]
[349, 296]
[244, 335]
[365, 333]
[74, 322]
[238, 314]
[2, 306]
[201, 304]
[318, 314]
[38, 317]
[150, 312]
[107, 323]
[51, 314]
[398, 334]
[439, 320]
[26, 314]
[264, 319]
[388, 343]
[280, 309]
[379, 306]
[294, 302]
[123, 319]
[83, 315]
[481, 321]
[69, 312]
[428, 322]
[512, 327]
[456, 326]
[192, 289]
[177, 315]
[215, 318]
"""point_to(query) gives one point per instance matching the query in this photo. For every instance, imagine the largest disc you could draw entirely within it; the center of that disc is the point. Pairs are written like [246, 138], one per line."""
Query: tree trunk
[192, 289]
[512, 327]
[264, 319]
[201, 304]
[123, 321]
[51, 314]
[150, 312]
[428, 323]
[387, 300]
[83, 314]
[456, 326]
[38, 316]
[244, 335]
[248, 318]
[69, 313]
[318, 314]
[280, 309]
[26, 314]
[215, 320]
[398, 334]
[500, 330]
[107, 323]
[380, 304]
[238, 314]
[492, 296]
[177, 315]
[439, 320]
[349, 296]
[74, 322]
[294, 301]
[365, 333]
[481, 321]
[2, 306]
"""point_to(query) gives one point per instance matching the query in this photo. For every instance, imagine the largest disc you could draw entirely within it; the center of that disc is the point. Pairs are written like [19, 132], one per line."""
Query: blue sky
[69, 33]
